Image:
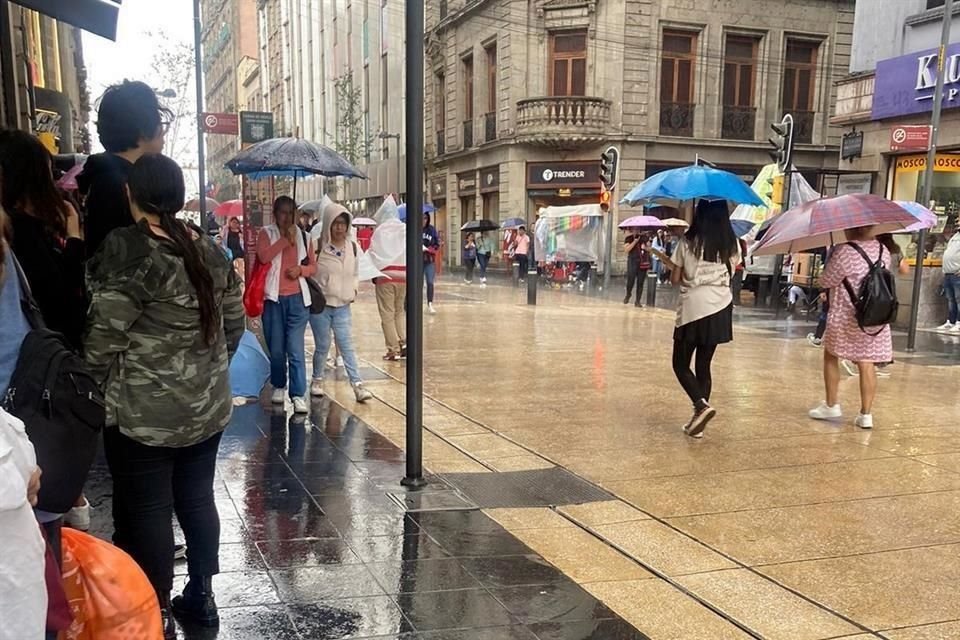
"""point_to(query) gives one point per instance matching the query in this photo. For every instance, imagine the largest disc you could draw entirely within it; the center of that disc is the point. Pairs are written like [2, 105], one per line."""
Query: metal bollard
[532, 277]
[652, 281]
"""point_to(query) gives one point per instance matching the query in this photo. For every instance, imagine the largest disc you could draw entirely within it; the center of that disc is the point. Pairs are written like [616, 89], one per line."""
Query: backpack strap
[27, 303]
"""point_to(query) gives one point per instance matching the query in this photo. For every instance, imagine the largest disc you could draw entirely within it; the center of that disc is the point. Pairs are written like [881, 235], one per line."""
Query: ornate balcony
[563, 121]
[467, 134]
[803, 123]
[739, 123]
[676, 119]
[489, 127]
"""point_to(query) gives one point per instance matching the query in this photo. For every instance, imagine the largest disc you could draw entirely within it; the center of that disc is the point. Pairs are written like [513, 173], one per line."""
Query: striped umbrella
[822, 223]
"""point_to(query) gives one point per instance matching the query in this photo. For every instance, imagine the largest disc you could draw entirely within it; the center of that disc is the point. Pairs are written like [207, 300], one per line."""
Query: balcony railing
[803, 123]
[676, 119]
[441, 142]
[739, 123]
[467, 134]
[563, 120]
[489, 127]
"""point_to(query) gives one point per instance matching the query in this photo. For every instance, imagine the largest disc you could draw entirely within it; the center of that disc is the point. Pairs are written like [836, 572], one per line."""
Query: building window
[440, 112]
[676, 83]
[799, 78]
[468, 95]
[490, 117]
[739, 78]
[568, 63]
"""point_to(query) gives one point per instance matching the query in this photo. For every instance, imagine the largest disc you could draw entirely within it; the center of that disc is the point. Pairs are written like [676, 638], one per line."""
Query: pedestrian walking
[431, 245]
[286, 308]
[702, 265]
[338, 275]
[637, 249]
[130, 123]
[844, 338]
[521, 249]
[469, 257]
[484, 251]
[168, 306]
[951, 281]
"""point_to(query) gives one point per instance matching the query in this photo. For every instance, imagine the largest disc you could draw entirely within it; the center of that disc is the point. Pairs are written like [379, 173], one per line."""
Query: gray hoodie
[338, 269]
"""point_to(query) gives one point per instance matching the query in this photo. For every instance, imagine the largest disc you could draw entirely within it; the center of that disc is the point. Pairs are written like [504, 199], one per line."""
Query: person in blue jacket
[431, 245]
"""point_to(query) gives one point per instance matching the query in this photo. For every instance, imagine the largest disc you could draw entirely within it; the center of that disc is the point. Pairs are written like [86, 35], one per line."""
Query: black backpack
[875, 304]
[61, 404]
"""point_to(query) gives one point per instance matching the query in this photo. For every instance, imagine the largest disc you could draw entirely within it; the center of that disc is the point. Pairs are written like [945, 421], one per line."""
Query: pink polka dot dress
[843, 337]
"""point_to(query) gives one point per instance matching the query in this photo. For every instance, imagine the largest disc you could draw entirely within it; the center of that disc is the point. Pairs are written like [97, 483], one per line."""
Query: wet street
[565, 503]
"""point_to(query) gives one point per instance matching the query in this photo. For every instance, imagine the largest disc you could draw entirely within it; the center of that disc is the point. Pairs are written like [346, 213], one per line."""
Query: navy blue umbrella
[402, 210]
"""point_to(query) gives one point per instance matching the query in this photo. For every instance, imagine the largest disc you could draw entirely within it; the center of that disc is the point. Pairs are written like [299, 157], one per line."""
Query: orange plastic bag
[109, 595]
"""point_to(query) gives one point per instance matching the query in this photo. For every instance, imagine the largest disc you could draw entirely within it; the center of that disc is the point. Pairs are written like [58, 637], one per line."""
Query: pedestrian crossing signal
[605, 197]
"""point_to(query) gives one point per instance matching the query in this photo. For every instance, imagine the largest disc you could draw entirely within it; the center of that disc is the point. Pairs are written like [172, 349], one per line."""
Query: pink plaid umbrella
[642, 222]
[821, 223]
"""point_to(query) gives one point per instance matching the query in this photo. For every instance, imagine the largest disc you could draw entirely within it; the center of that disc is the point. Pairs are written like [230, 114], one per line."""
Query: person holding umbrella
[469, 256]
[702, 264]
[638, 263]
[484, 252]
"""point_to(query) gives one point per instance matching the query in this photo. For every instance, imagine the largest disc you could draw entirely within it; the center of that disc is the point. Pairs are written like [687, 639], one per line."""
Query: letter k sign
[926, 77]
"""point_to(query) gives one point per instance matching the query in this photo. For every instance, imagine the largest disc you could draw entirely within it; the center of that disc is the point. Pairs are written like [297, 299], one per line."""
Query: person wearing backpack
[862, 304]
[165, 318]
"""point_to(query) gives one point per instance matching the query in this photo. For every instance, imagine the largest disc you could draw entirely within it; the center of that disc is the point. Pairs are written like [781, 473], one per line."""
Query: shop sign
[490, 179]
[854, 183]
[852, 145]
[227, 123]
[944, 163]
[564, 193]
[558, 175]
[910, 137]
[906, 84]
[438, 189]
[466, 183]
[255, 126]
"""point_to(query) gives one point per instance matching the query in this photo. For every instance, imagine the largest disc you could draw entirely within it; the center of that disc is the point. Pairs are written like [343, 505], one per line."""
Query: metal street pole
[928, 172]
[197, 60]
[414, 124]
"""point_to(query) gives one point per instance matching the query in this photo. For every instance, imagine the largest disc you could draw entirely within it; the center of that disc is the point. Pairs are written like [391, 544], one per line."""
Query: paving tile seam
[863, 554]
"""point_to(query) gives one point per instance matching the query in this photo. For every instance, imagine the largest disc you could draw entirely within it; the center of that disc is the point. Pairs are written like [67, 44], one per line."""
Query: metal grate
[537, 488]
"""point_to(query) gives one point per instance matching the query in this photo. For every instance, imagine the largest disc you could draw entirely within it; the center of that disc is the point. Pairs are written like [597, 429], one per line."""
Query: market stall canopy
[96, 16]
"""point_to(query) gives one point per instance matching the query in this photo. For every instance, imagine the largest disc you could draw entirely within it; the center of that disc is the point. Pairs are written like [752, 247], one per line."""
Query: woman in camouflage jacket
[165, 318]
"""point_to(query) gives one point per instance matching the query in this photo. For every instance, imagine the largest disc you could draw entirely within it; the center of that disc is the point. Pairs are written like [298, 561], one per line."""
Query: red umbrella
[820, 223]
[194, 205]
[230, 209]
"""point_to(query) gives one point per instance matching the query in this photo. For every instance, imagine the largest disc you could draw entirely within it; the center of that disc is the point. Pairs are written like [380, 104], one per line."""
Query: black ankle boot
[197, 604]
[166, 617]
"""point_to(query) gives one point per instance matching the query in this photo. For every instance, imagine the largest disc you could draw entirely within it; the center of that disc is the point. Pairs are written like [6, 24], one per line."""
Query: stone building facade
[521, 98]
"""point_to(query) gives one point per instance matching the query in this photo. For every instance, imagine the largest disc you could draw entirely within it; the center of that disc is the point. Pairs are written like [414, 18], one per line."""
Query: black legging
[699, 385]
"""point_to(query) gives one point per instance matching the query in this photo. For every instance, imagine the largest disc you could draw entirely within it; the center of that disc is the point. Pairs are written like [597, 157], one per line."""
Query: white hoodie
[338, 268]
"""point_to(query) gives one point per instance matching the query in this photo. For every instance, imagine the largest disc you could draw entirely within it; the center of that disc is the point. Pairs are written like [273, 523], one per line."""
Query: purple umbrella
[925, 217]
[642, 222]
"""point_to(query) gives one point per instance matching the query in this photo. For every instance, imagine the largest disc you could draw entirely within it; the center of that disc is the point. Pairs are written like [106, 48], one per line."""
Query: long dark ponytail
[156, 186]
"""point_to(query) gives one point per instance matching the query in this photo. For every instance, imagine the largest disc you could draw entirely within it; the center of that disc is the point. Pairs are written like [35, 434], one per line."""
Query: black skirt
[714, 329]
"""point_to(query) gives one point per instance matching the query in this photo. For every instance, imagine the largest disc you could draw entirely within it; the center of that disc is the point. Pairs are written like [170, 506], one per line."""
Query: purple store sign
[905, 85]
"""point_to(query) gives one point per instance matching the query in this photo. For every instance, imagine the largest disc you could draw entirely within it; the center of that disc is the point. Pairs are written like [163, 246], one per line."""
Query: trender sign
[905, 85]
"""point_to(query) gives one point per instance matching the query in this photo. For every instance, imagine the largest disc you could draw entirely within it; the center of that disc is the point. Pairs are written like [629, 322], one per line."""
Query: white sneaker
[850, 368]
[883, 371]
[361, 392]
[814, 340]
[826, 412]
[954, 330]
[483, 281]
[279, 396]
[316, 387]
[340, 361]
[300, 405]
[330, 363]
[946, 326]
[864, 421]
[432, 310]
[78, 517]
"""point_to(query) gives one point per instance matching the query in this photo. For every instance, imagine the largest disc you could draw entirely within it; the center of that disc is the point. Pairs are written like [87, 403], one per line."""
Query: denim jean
[337, 319]
[483, 259]
[150, 484]
[284, 328]
[430, 273]
[951, 287]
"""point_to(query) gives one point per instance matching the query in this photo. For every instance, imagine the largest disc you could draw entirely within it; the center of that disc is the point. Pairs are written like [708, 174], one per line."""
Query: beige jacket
[338, 269]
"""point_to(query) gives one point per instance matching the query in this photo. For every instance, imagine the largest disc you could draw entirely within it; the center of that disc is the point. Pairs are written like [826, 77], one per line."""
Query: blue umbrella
[402, 210]
[513, 223]
[688, 183]
[249, 368]
[742, 227]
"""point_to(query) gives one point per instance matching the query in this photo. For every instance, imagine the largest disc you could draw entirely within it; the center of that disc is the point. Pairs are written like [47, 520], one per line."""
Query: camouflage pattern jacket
[164, 386]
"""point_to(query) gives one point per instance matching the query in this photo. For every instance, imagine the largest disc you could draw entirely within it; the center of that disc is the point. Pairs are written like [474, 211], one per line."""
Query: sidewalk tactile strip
[536, 488]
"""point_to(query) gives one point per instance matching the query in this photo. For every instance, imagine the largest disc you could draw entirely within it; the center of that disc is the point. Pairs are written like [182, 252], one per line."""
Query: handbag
[318, 301]
[256, 290]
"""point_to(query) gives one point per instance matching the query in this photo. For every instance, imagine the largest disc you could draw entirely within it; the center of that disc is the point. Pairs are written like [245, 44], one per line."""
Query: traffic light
[605, 197]
[782, 152]
[776, 195]
[609, 161]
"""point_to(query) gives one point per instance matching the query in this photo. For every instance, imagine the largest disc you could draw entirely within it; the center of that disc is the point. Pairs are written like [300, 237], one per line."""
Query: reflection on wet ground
[314, 548]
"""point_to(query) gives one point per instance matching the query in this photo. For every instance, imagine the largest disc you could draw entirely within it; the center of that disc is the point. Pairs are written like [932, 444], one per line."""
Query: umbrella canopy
[643, 222]
[742, 227]
[292, 158]
[364, 222]
[315, 206]
[925, 217]
[675, 222]
[402, 210]
[513, 223]
[480, 226]
[822, 223]
[689, 183]
[194, 205]
[249, 368]
[229, 209]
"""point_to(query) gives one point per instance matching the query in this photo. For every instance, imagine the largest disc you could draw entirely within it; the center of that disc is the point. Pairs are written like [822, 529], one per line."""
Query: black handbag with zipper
[318, 301]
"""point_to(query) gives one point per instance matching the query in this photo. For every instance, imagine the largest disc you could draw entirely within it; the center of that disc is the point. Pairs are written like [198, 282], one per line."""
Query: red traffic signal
[605, 197]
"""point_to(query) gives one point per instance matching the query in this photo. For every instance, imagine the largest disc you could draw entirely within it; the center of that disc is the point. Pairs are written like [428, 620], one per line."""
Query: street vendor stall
[570, 235]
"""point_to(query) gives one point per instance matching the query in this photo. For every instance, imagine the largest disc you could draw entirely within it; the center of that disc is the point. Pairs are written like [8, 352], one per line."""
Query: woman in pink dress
[844, 338]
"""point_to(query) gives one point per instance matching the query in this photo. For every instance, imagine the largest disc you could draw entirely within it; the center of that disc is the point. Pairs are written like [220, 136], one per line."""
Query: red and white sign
[228, 123]
[910, 137]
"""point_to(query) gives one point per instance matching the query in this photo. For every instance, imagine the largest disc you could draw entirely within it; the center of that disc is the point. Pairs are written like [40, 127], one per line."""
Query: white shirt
[704, 286]
[951, 255]
[23, 592]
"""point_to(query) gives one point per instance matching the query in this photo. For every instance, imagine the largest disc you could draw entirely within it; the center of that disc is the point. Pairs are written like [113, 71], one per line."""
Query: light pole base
[415, 483]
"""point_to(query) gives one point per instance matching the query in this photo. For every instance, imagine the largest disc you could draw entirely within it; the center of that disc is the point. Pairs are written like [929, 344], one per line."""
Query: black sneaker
[700, 420]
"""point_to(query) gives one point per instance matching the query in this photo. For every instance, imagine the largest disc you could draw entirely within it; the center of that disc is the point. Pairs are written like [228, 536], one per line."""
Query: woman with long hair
[165, 317]
[702, 264]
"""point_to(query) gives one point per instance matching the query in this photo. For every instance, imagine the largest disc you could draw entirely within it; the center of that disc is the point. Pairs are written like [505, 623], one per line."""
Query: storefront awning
[95, 16]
